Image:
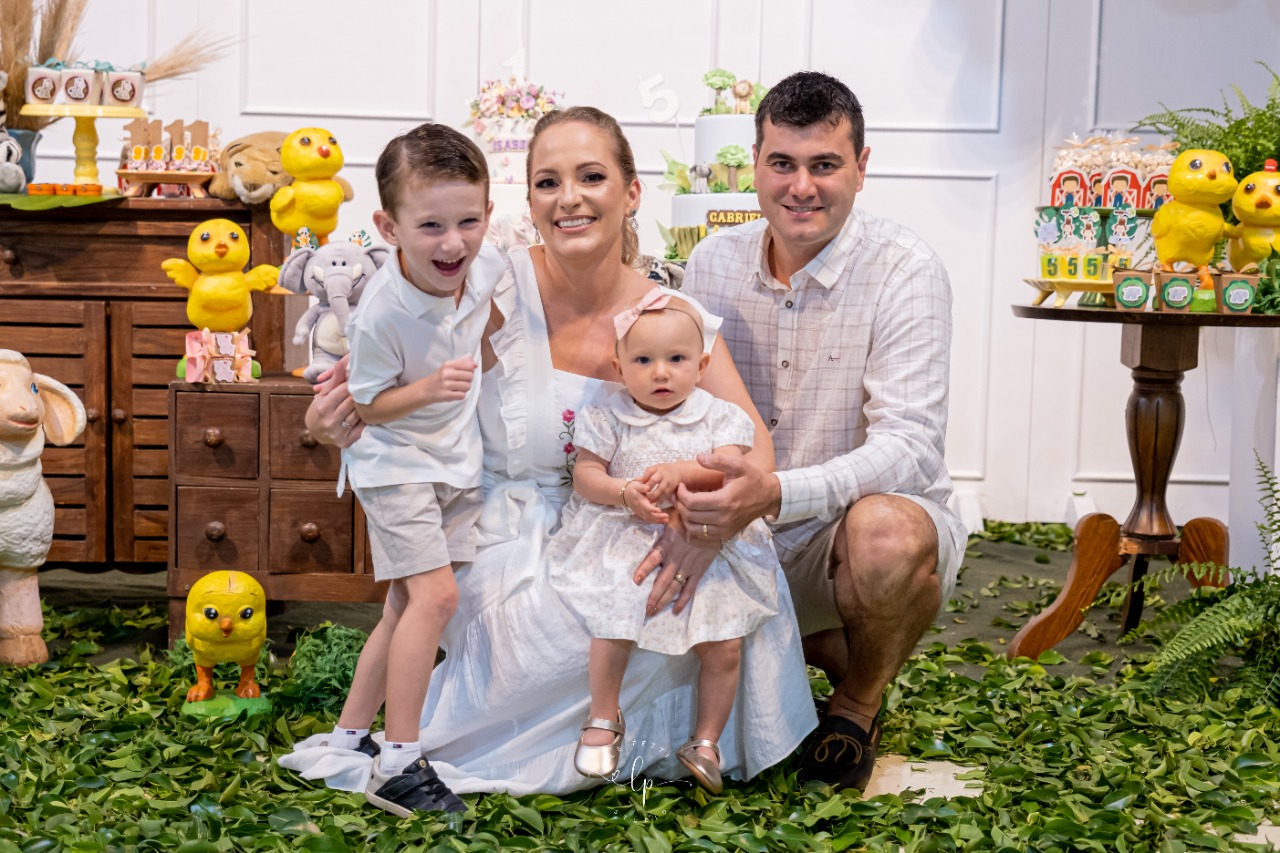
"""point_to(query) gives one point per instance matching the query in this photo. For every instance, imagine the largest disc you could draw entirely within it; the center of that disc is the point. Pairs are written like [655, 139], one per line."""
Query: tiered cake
[502, 120]
[716, 208]
[718, 189]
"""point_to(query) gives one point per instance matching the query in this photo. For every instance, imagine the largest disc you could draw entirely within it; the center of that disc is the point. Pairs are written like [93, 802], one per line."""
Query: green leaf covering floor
[1070, 754]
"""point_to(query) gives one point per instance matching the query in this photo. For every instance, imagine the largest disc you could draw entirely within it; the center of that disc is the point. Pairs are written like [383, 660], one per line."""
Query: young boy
[415, 346]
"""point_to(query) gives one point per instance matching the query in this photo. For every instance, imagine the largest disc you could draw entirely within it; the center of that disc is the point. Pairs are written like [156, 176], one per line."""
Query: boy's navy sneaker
[841, 754]
[417, 789]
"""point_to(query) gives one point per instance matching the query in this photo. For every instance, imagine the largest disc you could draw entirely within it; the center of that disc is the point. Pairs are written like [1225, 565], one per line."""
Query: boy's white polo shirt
[398, 335]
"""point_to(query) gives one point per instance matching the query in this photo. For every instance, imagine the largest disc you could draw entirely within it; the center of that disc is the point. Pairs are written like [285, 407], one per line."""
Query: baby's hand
[660, 481]
[640, 505]
[452, 381]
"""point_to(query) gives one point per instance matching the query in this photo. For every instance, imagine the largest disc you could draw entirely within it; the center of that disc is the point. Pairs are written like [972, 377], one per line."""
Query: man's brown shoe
[841, 754]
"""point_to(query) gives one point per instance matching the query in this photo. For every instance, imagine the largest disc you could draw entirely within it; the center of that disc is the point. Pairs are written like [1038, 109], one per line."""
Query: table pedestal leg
[1205, 540]
[1158, 357]
[1097, 556]
[85, 140]
[1131, 612]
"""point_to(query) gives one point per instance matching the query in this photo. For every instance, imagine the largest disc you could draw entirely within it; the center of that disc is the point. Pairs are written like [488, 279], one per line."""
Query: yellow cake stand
[85, 137]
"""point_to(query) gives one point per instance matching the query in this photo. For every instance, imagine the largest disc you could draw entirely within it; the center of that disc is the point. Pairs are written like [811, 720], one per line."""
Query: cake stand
[85, 137]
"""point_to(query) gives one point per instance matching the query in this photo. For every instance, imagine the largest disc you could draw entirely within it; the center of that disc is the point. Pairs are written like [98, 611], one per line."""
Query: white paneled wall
[965, 100]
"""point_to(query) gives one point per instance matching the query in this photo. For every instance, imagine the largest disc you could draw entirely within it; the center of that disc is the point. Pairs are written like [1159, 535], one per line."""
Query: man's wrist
[773, 487]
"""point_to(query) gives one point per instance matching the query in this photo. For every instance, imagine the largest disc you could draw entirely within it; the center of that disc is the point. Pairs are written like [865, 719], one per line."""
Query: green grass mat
[99, 758]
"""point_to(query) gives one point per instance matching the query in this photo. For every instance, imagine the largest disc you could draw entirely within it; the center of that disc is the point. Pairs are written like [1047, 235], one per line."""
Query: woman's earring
[635, 223]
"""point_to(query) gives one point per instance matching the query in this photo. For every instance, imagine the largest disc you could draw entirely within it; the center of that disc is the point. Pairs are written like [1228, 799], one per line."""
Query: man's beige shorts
[418, 527]
[813, 590]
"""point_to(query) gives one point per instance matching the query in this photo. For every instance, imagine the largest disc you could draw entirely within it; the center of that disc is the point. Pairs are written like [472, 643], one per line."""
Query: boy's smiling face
[439, 227]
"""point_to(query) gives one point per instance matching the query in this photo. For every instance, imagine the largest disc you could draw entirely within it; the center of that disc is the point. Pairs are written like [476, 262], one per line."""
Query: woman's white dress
[593, 557]
[506, 706]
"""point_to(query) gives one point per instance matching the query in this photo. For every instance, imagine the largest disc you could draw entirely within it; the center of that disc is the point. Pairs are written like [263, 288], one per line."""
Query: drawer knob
[213, 437]
[9, 256]
[215, 531]
[308, 440]
[92, 415]
[310, 531]
[118, 416]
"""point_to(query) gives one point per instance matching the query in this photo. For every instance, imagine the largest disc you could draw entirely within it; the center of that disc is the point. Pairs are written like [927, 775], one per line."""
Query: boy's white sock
[346, 738]
[397, 756]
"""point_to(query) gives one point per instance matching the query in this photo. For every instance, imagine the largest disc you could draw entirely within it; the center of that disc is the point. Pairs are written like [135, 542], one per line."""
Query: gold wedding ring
[347, 425]
[705, 534]
[679, 578]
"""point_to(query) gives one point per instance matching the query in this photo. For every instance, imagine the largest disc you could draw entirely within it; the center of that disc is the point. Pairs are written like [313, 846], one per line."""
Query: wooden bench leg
[1097, 556]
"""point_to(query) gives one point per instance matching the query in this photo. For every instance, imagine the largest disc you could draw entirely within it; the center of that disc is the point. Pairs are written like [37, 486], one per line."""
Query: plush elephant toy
[12, 178]
[32, 408]
[335, 274]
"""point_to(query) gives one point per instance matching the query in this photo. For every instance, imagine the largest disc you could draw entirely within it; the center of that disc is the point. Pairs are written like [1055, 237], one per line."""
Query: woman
[507, 704]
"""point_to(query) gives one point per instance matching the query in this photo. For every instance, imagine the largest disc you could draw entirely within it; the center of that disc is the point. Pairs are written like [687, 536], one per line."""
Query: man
[840, 323]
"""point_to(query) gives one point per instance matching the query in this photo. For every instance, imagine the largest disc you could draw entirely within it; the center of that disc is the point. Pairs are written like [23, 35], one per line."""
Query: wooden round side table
[1159, 347]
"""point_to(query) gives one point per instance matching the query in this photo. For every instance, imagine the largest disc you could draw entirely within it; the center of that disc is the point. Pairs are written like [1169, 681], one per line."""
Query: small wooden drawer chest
[83, 296]
[252, 490]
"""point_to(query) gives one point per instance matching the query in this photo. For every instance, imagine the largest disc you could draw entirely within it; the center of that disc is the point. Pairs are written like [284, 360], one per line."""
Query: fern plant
[1248, 138]
[1200, 634]
[1268, 301]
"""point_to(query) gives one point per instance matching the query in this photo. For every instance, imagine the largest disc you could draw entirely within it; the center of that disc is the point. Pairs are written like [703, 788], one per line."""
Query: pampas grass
[187, 56]
[43, 30]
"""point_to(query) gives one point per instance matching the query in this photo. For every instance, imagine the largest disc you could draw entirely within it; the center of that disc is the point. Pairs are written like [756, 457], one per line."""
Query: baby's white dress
[592, 559]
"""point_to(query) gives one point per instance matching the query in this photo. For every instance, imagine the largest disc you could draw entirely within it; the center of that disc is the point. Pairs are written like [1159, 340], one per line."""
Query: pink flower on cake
[569, 448]
[567, 416]
[512, 99]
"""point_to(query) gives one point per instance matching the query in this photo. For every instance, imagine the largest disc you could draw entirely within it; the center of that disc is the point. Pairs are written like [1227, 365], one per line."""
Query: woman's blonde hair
[621, 151]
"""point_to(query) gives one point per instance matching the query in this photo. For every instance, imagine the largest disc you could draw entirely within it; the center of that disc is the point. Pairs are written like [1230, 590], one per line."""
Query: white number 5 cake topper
[651, 96]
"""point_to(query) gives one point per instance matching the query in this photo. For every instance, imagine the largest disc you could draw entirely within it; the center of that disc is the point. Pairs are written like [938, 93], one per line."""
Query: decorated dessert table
[1159, 347]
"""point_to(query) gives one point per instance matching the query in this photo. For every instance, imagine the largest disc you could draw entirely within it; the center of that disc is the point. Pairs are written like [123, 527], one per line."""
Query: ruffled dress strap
[516, 505]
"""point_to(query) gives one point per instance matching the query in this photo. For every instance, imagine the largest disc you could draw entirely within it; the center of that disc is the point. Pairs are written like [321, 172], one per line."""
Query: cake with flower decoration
[718, 189]
[502, 120]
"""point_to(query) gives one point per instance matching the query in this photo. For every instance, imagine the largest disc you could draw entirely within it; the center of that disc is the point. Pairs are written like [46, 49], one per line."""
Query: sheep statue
[32, 408]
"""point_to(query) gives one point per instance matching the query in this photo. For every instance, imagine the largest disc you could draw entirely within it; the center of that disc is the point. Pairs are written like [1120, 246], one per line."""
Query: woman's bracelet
[622, 496]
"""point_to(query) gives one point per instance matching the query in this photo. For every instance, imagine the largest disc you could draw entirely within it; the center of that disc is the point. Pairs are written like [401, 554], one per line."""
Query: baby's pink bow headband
[652, 301]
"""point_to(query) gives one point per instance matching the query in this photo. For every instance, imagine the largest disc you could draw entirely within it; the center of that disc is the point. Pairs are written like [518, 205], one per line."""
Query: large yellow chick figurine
[219, 300]
[1189, 227]
[1257, 206]
[226, 622]
[312, 156]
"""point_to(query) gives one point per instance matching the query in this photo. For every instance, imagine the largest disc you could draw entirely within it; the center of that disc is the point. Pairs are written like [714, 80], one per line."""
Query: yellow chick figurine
[1189, 227]
[1257, 206]
[219, 300]
[226, 621]
[312, 156]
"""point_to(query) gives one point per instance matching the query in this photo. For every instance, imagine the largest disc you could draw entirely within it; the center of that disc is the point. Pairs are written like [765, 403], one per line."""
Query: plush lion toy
[249, 168]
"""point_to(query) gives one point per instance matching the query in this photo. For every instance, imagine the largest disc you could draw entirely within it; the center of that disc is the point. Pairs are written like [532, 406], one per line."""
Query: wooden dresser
[82, 295]
[252, 490]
